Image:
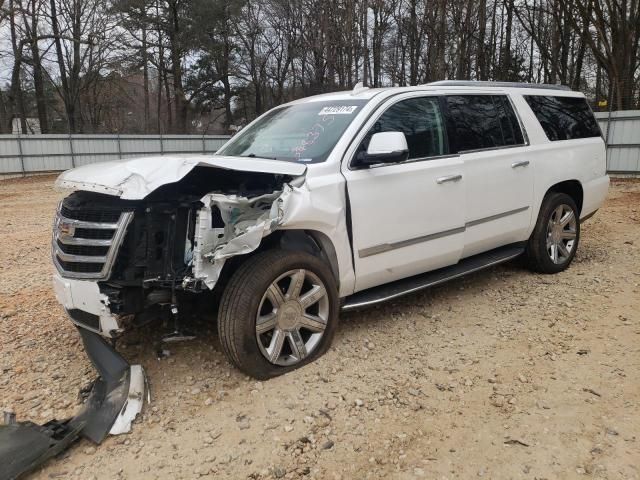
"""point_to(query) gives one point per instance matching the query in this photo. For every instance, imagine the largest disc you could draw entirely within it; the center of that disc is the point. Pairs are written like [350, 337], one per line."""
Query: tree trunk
[16, 94]
[481, 61]
[145, 78]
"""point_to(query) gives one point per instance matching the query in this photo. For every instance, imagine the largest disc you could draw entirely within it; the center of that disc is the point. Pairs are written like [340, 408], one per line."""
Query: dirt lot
[504, 374]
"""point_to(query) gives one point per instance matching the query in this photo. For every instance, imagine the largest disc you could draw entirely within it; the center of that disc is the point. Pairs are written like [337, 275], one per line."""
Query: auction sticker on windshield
[338, 110]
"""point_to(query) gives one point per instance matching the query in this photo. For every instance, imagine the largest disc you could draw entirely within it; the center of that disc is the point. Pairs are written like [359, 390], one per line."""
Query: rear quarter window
[564, 118]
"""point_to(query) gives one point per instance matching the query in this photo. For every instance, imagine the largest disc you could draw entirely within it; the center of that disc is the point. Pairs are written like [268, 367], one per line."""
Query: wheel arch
[573, 188]
[310, 241]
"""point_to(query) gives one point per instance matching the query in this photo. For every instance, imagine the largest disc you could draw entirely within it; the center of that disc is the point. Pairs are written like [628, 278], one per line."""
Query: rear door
[407, 218]
[498, 169]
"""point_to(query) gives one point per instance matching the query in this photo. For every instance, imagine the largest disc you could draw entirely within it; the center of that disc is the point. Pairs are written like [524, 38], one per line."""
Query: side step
[398, 288]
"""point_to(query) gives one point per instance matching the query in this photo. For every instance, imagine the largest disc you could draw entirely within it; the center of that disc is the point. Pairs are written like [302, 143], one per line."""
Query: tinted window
[511, 131]
[564, 118]
[482, 121]
[420, 121]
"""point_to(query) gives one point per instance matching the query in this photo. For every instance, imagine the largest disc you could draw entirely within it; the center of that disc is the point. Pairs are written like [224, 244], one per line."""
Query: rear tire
[278, 312]
[556, 236]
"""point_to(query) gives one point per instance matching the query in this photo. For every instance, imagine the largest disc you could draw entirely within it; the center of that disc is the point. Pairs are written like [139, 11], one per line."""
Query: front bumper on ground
[86, 306]
[115, 400]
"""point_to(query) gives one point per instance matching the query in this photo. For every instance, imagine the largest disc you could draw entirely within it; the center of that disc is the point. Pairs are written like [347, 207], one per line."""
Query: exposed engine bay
[176, 243]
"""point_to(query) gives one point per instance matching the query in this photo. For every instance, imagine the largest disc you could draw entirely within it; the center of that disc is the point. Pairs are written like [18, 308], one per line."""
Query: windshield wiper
[253, 155]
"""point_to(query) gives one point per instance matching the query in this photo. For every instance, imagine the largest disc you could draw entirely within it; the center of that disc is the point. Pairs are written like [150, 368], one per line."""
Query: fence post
[119, 147]
[73, 156]
[204, 148]
[161, 145]
[21, 154]
[606, 140]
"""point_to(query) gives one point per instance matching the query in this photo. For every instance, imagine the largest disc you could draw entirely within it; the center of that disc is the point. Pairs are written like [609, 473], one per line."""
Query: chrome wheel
[292, 317]
[561, 234]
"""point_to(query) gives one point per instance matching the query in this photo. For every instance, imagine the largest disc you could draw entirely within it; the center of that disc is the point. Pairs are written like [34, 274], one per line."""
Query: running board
[465, 266]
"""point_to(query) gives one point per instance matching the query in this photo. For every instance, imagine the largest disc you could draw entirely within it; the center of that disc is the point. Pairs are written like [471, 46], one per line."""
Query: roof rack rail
[477, 83]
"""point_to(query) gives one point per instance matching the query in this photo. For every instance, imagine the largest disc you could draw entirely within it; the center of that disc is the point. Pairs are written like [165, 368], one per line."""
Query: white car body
[384, 223]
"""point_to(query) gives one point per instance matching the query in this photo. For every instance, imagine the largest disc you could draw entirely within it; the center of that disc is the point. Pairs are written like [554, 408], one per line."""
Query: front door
[407, 218]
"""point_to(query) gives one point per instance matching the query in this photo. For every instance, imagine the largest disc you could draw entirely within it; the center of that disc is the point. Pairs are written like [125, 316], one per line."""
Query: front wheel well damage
[573, 188]
[310, 241]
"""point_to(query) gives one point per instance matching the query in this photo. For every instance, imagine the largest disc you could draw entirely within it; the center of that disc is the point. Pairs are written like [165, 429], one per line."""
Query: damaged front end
[123, 263]
[134, 245]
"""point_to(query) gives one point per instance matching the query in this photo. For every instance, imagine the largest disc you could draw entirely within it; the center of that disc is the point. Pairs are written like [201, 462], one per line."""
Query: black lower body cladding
[24, 446]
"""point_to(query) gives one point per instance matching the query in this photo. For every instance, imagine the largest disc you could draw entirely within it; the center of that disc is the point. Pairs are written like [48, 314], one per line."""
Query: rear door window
[564, 118]
[479, 122]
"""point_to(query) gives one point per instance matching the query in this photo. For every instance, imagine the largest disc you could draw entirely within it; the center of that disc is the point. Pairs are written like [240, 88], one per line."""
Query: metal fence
[622, 135]
[51, 153]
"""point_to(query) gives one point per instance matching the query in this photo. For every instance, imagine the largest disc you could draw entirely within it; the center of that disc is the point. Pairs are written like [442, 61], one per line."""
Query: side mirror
[385, 147]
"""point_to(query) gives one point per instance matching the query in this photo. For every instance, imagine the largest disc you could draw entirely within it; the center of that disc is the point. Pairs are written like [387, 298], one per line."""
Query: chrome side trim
[479, 221]
[367, 252]
[386, 247]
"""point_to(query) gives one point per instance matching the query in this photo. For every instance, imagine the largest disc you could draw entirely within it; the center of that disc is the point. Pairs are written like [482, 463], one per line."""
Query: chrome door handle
[448, 178]
[522, 163]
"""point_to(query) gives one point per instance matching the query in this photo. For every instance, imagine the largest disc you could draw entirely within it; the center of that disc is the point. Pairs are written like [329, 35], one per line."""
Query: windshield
[305, 132]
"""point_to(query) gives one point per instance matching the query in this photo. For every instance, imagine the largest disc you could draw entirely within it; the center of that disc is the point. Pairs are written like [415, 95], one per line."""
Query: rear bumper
[595, 193]
[86, 306]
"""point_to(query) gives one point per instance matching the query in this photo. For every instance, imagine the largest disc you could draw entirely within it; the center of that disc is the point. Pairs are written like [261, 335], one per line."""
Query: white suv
[329, 203]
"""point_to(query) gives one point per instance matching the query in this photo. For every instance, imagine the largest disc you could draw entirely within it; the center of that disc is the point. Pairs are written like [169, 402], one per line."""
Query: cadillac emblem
[67, 229]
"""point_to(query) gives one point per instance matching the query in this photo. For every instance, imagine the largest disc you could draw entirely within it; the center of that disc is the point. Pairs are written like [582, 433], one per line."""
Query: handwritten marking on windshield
[312, 135]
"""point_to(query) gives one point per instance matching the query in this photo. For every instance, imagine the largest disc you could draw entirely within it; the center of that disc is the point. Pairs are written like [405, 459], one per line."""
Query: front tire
[556, 236]
[278, 312]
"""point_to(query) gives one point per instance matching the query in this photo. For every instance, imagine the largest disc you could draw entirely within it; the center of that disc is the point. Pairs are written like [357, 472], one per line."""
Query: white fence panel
[622, 133]
[10, 156]
[50, 153]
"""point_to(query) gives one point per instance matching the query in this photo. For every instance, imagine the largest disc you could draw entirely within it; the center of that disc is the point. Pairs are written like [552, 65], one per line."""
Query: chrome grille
[85, 242]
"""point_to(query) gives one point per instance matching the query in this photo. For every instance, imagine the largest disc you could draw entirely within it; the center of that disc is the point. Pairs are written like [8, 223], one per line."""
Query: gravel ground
[503, 374]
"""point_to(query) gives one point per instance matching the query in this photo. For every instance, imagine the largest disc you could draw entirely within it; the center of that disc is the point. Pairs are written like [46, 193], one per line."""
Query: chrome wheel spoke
[275, 295]
[554, 252]
[265, 323]
[297, 280]
[568, 217]
[298, 347]
[313, 323]
[568, 234]
[562, 250]
[558, 214]
[312, 296]
[275, 346]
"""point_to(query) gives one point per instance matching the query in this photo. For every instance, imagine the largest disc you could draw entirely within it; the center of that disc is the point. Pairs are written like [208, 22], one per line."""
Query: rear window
[564, 118]
[482, 121]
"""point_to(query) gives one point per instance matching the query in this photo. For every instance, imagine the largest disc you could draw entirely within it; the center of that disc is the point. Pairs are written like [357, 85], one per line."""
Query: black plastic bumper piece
[110, 390]
[24, 445]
